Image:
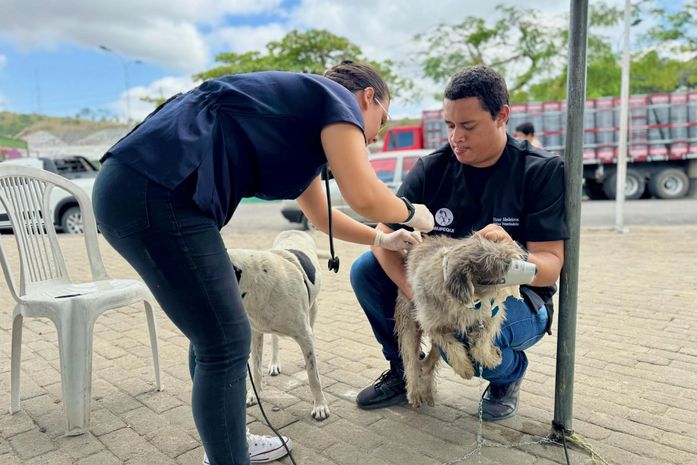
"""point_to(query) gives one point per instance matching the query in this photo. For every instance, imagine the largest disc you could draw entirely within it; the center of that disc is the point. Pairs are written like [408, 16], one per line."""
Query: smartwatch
[410, 208]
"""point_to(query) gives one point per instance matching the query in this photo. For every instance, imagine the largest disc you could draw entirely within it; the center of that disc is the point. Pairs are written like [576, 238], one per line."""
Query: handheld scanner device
[520, 272]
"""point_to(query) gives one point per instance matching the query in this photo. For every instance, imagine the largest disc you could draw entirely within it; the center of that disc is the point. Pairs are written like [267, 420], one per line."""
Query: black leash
[563, 432]
[268, 422]
[566, 451]
[333, 266]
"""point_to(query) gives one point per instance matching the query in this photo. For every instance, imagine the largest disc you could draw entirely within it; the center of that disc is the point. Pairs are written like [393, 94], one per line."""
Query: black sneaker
[500, 401]
[388, 390]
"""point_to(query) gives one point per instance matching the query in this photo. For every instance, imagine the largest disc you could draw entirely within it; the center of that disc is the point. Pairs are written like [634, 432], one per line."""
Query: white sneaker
[266, 448]
[263, 448]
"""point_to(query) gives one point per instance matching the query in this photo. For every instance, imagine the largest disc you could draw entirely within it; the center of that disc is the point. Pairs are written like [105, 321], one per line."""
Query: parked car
[65, 211]
[391, 167]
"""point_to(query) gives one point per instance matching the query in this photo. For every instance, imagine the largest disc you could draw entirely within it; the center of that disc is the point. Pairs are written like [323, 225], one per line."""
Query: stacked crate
[661, 126]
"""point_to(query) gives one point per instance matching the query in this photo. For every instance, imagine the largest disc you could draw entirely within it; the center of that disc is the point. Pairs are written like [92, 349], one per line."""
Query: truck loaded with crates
[662, 141]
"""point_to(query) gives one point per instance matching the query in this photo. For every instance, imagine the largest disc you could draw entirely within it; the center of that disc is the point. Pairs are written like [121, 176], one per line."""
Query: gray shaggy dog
[279, 289]
[445, 276]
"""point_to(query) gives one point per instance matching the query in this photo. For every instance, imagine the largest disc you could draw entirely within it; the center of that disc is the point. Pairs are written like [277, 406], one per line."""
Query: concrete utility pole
[624, 125]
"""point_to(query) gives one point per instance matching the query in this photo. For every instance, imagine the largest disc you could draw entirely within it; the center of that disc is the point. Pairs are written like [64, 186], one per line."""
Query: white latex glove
[398, 240]
[422, 219]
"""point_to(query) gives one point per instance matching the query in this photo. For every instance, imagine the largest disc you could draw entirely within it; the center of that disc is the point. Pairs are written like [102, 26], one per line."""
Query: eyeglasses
[387, 115]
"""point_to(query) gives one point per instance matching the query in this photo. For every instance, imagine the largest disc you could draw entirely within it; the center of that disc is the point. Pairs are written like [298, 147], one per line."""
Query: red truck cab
[430, 134]
[403, 138]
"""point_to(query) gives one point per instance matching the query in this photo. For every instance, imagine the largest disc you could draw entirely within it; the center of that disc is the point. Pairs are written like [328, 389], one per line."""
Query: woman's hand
[398, 240]
[422, 219]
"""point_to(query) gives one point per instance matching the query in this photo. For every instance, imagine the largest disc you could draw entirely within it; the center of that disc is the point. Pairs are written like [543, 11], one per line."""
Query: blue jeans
[179, 253]
[377, 295]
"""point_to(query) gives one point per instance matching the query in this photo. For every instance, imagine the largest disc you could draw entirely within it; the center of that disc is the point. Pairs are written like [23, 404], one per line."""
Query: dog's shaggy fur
[279, 288]
[444, 275]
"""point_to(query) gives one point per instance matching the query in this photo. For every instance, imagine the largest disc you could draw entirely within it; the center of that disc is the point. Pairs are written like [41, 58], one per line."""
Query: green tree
[529, 50]
[656, 67]
[676, 30]
[518, 45]
[653, 73]
[312, 51]
[650, 73]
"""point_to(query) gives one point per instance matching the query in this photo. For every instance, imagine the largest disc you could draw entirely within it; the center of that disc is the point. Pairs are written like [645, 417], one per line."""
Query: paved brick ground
[635, 386]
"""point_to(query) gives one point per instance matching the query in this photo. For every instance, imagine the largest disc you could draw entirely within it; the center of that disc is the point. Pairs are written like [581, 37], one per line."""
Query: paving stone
[80, 446]
[101, 458]
[31, 444]
[172, 441]
[52, 458]
[127, 444]
[103, 421]
[635, 393]
[11, 425]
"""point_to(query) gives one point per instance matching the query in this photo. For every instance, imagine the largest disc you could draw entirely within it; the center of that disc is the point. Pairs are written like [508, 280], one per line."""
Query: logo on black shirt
[444, 217]
[507, 221]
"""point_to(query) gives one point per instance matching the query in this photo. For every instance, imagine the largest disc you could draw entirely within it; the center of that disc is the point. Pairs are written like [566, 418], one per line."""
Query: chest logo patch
[444, 217]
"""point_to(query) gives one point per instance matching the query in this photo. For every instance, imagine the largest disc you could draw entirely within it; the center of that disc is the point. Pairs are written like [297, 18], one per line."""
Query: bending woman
[166, 189]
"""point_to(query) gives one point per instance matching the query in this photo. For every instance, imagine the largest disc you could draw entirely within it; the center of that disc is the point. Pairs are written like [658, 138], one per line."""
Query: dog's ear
[458, 282]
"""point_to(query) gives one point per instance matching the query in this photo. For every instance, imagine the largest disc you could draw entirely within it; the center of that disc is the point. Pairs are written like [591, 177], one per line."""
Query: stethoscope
[333, 260]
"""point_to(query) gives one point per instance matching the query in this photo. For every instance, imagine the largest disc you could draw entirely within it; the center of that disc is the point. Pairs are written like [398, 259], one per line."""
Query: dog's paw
[491, 358]
[320, 412]
[414, 400]
[251, 399]
[466, 371]
[495, 359]
[274, 369]
[429, 401]
[417, 399]
[420, 393]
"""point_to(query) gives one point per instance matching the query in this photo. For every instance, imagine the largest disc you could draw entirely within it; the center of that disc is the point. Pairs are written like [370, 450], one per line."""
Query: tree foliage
[655, 67]
[519, 45]
[533, 55]
[676, 29]
[312, 51]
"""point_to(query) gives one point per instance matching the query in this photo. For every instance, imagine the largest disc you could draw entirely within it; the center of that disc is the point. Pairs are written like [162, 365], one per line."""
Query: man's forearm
[548, 268]
[392, 264]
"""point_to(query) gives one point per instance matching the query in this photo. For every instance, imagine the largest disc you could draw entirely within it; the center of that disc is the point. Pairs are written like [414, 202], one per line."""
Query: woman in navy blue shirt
[167, 188]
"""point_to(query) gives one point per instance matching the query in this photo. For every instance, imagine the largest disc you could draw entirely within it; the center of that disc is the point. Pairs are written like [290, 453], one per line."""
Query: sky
[53, 61]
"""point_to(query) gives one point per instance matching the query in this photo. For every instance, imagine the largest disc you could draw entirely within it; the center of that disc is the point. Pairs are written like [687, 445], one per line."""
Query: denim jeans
[377, 294]
[179, 253]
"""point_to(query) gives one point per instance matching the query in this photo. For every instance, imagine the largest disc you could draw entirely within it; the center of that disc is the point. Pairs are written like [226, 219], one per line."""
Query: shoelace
[260, 440]
[386, 376]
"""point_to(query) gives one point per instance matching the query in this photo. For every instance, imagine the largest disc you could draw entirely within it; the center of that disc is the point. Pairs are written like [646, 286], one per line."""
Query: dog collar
[478, 303]
[494, 310]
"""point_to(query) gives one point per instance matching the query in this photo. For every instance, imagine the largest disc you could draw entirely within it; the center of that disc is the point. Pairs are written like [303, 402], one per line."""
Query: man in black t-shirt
[483, 182]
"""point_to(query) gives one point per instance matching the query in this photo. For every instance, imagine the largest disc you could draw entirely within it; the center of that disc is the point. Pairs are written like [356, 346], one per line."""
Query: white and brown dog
[279, 288]
[445, 276]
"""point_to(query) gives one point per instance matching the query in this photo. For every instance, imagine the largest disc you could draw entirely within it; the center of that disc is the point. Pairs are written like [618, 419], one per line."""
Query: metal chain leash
[573, 438]
[481, 442]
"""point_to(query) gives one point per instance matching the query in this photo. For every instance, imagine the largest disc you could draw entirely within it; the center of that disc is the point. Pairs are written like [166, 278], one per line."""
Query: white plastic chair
[45, 289]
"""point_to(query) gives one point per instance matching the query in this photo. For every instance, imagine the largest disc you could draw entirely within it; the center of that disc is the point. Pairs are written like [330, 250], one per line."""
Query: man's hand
[494, 232]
